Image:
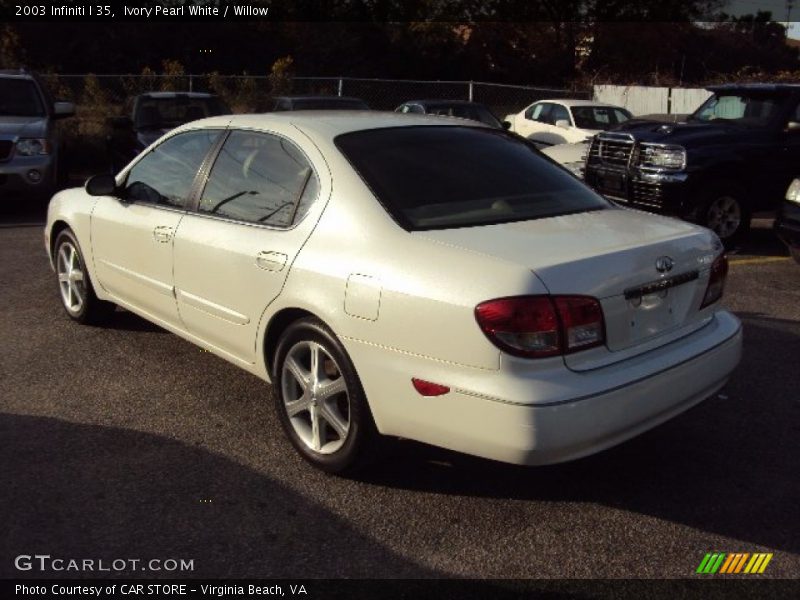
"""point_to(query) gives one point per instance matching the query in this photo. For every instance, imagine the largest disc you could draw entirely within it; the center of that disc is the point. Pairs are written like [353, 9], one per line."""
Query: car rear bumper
[535, 420]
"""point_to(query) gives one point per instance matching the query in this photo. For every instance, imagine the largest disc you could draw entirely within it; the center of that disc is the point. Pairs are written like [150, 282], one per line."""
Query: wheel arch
[277, 324]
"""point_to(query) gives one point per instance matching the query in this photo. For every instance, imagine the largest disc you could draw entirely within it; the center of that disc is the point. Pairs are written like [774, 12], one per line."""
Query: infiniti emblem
[664, 264]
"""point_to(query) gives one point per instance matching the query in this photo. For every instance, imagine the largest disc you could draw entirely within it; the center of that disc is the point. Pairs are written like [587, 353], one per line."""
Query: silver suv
[30, 161]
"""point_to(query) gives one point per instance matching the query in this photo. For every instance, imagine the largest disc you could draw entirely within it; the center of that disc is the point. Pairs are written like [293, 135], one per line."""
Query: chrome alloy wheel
[724, 216]
[71, 278]
[315, 397]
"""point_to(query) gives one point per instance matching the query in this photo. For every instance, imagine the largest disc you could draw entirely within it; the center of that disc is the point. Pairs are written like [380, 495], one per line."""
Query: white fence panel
[687, 100]
[640, 100]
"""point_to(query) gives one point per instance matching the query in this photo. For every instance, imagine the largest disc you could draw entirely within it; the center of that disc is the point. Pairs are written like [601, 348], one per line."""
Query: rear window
[434, 177]
[599, 117]
[167, 113]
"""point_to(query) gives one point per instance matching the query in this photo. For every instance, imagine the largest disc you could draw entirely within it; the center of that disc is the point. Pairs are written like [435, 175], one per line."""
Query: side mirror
[62, 110]
[506, 125]
[103, 184]
[120, 122]
[562, 123]
[793, 127]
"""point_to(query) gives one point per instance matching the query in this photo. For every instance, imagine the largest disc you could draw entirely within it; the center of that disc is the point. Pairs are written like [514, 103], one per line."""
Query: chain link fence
[100, 97]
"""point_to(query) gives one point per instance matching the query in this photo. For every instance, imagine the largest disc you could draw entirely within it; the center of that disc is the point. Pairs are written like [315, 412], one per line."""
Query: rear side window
[165, 175]
[441, 177]
[260, 178]
[559, 113]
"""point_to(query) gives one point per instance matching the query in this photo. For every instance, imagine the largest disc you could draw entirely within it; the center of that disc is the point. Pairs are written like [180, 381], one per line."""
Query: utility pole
[789, 7]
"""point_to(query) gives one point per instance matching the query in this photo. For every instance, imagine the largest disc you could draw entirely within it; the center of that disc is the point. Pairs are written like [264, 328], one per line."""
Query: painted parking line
[756, 261]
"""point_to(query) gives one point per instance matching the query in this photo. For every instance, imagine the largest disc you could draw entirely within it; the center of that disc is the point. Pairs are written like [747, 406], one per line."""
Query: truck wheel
[726, 212]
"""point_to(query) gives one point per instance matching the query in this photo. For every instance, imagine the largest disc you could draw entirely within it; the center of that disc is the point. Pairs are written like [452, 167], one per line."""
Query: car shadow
[728, 466]
[124, 320]
[85, 491]
[761, 241]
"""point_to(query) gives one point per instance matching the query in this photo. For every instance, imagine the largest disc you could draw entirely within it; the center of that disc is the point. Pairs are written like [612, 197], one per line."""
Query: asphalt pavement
[128, 442]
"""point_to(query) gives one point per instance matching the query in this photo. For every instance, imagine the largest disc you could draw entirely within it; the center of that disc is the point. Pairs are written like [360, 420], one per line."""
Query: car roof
[443, 101]
[9, 73]
[330, 123]
[755, 87]
[176, 95]
[313, 97]
[570, 102]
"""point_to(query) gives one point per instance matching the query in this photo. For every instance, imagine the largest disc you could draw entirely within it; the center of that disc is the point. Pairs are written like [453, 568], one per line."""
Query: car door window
[538, 112]
[559, 113]
[260, 178]
[165, 175]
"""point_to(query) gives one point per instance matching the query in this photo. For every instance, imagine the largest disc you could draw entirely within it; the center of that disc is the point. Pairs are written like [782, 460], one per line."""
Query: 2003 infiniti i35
[419, 277]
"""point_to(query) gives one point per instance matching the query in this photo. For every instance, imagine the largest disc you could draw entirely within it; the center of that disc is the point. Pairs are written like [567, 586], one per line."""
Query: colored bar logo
[738, 562]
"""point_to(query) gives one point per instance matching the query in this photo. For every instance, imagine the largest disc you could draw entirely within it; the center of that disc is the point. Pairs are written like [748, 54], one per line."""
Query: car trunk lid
[648, 272]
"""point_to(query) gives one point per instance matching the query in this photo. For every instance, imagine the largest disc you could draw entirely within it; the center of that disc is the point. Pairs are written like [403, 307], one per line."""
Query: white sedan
[550, 122]
[411, 276]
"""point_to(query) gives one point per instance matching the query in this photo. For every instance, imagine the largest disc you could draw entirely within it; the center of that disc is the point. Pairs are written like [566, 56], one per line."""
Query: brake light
[716, 280]
[582, 319]
[541, 326]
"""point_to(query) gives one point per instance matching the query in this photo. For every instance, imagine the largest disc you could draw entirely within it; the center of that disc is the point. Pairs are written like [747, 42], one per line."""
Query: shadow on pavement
[728, 466]
[85, 491]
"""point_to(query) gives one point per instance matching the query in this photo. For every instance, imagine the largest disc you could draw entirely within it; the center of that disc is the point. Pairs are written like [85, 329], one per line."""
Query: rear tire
[319, 399]
[75, 287]
[725, 210]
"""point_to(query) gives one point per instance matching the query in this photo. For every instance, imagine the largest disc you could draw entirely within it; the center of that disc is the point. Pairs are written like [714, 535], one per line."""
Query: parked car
[736, 154]
[491, 303]
[31, 154]
[149, 116]
[571, 156]
[550, 122]
[787, 225]
[282, 103]
[463, 109]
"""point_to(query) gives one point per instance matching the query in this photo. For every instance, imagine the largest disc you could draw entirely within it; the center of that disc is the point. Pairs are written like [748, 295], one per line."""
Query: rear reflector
[541, 326]
[427, 388]
[716, 281]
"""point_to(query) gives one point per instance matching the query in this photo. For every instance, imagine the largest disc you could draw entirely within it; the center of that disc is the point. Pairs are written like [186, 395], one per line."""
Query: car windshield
[439, 177]
[599, 117]
[20, 98]
[752, 110]
[329, 104]
[167, 113]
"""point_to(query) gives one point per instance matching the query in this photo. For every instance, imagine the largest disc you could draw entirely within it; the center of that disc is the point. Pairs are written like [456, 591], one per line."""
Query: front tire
[74, 285]
[726, 212]
[319, 399]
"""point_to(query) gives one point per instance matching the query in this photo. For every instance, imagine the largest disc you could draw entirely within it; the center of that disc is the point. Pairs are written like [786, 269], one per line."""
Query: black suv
[736, 154]
[31, 154]
[151, 115]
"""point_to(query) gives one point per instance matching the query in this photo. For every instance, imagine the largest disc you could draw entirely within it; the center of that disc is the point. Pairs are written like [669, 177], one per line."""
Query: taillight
[716, 280]
[582, 320]
[540, 326]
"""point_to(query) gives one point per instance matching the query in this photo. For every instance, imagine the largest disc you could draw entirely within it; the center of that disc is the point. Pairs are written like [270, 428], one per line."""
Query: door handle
[162, 234]
[271, 261]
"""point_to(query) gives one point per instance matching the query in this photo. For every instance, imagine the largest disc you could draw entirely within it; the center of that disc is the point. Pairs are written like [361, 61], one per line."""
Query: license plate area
[649, 310]
[615, 184]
